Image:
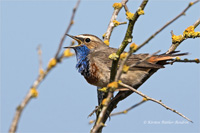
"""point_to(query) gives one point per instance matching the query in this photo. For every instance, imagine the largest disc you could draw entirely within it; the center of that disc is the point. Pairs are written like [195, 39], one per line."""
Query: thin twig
[40, 56]
[167, 24]
[36, 83]
[126, 8]
[121, 23]
[67, 30]
[196, 23]
[154, 100]
[96, 108]
[181, 38]
[40, 59]
[130, 108]
[113, 17]
[172, 61]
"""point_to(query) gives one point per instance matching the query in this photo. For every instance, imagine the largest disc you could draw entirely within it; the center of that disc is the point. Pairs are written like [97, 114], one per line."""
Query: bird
[93, 62]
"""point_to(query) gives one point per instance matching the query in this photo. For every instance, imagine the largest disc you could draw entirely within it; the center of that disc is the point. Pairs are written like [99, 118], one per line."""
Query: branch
[196, 60]
[154, 100]
[42, 74]
[121, 112]
[188, 33]
[167, 24]
[40, 57]
[111, 25]
[130, 108]
[196, 23]
[127, 39]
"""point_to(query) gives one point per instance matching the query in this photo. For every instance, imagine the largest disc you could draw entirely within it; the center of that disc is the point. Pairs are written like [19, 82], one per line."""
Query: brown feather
[164, 57]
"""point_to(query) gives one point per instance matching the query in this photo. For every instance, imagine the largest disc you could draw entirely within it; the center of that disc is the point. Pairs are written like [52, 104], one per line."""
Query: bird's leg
[100, 97]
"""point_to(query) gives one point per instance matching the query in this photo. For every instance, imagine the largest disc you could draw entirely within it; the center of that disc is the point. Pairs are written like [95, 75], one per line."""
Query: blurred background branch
[42, 74]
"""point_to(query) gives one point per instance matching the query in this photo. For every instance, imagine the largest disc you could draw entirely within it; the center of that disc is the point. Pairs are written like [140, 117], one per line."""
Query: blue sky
[65, 98]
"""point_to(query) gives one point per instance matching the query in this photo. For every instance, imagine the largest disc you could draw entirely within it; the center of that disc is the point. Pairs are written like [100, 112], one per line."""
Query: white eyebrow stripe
[82, 36]
[91, 37]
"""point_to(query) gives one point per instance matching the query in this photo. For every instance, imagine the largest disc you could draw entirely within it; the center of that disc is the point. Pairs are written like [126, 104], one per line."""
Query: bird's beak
[78, 39]
[72, 46]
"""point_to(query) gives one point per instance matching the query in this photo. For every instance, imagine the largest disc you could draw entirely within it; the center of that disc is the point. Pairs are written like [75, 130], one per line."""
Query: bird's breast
[93, 76]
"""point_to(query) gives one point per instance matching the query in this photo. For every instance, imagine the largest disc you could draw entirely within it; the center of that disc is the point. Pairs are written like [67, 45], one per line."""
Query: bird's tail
[165, 57]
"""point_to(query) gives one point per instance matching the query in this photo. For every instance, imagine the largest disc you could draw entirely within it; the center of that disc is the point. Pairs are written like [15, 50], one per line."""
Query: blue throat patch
[82, 61]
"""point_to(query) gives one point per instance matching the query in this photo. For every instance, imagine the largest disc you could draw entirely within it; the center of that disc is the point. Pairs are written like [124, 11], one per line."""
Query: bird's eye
[87, 40]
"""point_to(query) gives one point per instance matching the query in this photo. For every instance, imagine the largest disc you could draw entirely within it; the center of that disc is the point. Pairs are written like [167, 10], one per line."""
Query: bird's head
[86, 44]
[90, 41]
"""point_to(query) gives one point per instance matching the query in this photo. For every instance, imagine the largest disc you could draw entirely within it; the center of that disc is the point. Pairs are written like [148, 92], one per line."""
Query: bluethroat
[93, 62]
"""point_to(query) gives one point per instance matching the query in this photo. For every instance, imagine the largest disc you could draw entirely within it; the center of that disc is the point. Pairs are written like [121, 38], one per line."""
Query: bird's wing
[103, 57]
[137, 59]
